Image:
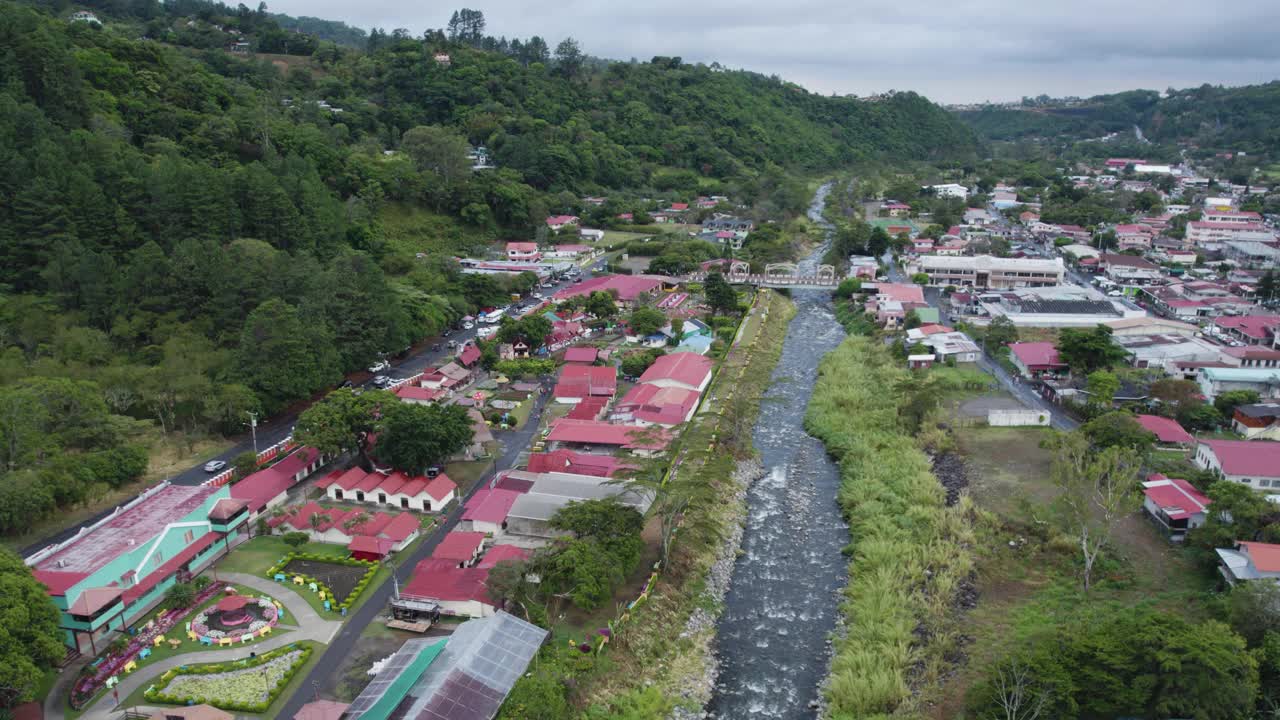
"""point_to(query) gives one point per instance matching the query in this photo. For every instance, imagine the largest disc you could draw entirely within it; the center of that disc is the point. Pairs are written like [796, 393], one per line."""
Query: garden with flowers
[250, 685]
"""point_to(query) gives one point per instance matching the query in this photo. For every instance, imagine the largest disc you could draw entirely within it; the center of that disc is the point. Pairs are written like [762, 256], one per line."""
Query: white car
[468, 325]
[379, 366]
[214, 466]
[537, 296]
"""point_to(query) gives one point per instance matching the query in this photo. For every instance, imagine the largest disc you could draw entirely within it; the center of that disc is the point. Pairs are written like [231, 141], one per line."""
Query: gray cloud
[952, 51]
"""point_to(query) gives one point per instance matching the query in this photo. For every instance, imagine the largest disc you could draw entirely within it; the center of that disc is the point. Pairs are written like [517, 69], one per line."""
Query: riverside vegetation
[909, 550]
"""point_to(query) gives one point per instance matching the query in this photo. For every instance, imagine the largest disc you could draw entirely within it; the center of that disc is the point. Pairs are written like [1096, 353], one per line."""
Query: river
[781, 606]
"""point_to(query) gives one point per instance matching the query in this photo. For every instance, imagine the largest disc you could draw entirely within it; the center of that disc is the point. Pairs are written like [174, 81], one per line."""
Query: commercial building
[985, 271]
[1209, 234]
[112, 573]
[1251, 254]
[1216, 380]
[1056, 306]
[1248, 462]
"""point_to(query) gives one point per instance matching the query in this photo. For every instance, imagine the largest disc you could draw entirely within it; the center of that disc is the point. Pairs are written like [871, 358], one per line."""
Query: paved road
[1014, 385]
[276, 429]
[310, 626]
[514, 442]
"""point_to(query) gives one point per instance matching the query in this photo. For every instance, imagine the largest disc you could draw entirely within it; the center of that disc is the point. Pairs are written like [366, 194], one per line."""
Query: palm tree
[316, 520]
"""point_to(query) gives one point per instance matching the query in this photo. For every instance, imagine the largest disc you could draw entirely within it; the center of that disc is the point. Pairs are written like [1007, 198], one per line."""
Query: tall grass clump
[909, 551]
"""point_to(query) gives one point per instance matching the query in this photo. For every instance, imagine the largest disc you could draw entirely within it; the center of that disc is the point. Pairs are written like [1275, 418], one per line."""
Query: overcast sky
[949, 50]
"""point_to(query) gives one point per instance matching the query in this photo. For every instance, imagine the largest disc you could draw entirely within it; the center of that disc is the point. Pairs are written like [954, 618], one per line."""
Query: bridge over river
[777, 275]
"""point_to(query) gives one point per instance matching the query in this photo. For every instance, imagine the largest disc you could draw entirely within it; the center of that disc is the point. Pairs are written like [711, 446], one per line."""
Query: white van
[492, 317]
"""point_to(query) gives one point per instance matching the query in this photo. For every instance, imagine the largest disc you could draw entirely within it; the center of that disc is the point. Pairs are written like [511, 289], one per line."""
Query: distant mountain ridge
[1239, 119]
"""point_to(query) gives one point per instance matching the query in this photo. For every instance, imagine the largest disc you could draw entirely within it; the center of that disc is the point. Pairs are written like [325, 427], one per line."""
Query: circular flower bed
[235, 615]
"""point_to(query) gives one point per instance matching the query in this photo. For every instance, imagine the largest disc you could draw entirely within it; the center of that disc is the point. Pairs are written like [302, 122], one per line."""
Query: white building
[950, 190]
[986, 271]
[1248, 462]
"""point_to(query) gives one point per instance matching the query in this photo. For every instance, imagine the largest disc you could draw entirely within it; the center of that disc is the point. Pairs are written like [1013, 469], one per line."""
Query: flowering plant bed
[214, 622]
[345, 584]
[249, 685]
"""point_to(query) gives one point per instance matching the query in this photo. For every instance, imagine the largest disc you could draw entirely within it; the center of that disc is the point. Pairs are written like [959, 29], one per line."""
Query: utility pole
[253, 428]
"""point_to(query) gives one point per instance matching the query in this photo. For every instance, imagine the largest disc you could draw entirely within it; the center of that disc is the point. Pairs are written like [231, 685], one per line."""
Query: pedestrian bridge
[777, 275]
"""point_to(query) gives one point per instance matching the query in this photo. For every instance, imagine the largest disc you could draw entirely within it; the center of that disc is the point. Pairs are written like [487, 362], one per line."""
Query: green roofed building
[466, 675]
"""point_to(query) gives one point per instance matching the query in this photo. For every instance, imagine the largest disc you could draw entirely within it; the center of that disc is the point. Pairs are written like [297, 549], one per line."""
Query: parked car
[382, 381]
[379, 366]
[468, 325]
[547, 285]
[436, 346]
[345, 384]
[214, 466]
[537, 296]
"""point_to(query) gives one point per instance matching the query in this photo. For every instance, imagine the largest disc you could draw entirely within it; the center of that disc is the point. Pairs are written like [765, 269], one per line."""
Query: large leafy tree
[1086, 351]
[343, 419]
[283, 356]
[414, 437]
[30, 641]
[721, 297]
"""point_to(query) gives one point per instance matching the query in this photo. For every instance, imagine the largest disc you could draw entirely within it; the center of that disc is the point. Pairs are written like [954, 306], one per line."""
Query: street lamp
[253, 428]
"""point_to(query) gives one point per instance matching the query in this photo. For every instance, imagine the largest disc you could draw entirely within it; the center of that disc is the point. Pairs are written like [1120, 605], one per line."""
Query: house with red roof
[580, 382]
[568, 461]
[460, 592]
[687, 370]
[268, 488]
[1249, 329]
[486, 511]
[1034, 359]
[369, 547]
[581, 355]
[460, 547]
[1174, 504]
[469, 355]
[523, 252]
[418, 395]
[116, 570]
[1249, 561]
[1167, 431]
[395, 489]
[558, 222]
[1255, 463]
[502, 553]
[651, 404]
[628, 289]
[597, 435]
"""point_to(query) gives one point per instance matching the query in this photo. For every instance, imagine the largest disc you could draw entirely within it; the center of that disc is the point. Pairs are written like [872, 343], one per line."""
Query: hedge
[347, 602]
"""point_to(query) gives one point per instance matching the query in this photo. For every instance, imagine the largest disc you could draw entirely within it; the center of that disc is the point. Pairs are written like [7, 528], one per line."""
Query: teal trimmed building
[118, 569]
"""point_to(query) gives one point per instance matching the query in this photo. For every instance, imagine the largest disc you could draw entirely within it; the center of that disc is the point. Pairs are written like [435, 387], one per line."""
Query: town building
[523, 252]
[1036, 359]
[1249, 561]
[1257, 421]
[949, 190]
[1129, 269]
[1174, 504]
[116, 570]
[1167, 431]
[268, 488]
[1216, 380]
[1251, 254]
[531, 514]
[1249, 329]
[629, 289]
[986, 271]
[559, 222]
[1251, 463]
[1207, 234]
[688, 371]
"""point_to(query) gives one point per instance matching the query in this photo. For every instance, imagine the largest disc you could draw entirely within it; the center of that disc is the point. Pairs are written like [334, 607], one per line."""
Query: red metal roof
[594, 432]
[580, 355]
[1257, 458]
[499, 553]
[1255, 326]
[469, 355]
[628, 287]
[440, 486]
[437, 579]
[568, 461]
[490, 505]
[1037, 355]
[686, 368]
[659, 405]
[401, 527]
[370, 482]
[94, 599]
[370, 544]
[583, 381]
[522, 247]
[1176, 497]
[1265, 556]
[415, 392]
[458, 545]
[1167, 430]
[261, 487]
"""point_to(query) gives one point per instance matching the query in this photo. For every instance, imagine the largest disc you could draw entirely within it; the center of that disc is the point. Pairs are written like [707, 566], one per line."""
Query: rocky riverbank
[694, 688]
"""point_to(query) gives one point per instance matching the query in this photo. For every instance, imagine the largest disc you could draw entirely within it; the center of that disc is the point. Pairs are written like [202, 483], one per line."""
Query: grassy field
[1028, 571]
[467, 474]
[410, 229]
[257, 556]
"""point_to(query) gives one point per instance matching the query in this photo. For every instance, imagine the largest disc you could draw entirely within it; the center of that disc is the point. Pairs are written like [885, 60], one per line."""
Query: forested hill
[1233, 119]
[192, 232]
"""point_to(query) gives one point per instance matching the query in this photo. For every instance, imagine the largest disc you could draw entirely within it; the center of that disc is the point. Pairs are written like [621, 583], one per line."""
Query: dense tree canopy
[30, 641]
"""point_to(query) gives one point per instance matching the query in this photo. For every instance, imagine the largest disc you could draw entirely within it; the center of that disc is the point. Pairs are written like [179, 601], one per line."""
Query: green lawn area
[317, 649]
[467, 474]
[258, 555]
[521, 413]
[617, 237]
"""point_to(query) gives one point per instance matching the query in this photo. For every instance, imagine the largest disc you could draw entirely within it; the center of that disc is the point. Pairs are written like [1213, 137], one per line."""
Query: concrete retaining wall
[1016, 418]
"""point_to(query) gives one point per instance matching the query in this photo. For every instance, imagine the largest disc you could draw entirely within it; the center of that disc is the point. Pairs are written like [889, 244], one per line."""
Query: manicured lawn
[258, 555]
[467, 474]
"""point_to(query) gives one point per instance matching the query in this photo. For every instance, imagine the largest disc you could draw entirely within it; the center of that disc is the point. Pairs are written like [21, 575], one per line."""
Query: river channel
[782, 602]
